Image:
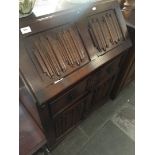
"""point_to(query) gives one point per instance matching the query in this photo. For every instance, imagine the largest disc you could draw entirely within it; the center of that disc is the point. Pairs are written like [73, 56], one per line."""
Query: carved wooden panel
[57, 53]
[101, 32]
[105, 30]
[67, 119]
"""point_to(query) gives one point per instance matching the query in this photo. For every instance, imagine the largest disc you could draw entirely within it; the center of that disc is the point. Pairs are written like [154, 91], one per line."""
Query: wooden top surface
[42, 8]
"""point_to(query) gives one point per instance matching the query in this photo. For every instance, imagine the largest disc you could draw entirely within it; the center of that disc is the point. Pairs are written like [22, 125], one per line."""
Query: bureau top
[43, 8]
[60, 49]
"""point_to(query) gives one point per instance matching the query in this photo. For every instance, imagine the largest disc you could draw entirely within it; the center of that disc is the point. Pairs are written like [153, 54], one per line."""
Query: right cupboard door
[70, 117]
[102, 91]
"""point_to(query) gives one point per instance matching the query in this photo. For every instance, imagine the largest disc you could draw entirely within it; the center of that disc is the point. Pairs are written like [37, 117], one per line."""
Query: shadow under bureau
[69, 62]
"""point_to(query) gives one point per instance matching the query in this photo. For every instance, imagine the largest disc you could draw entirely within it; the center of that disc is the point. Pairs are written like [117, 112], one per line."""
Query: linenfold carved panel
[55, 55]
[105, 30]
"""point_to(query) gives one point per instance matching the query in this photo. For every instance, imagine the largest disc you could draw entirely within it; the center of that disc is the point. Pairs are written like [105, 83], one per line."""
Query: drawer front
[108, 71]
[68, 98]
[103, 74]
[70, 117]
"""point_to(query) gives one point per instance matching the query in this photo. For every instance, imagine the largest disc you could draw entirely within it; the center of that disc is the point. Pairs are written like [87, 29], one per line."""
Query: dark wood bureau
[69, 62]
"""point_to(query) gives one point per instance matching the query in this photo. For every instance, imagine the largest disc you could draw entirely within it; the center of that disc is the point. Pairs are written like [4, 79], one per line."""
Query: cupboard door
[69, 118]
[102, 91]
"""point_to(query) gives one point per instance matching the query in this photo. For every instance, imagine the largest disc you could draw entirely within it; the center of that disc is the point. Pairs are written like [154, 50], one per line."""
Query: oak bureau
[69, 62]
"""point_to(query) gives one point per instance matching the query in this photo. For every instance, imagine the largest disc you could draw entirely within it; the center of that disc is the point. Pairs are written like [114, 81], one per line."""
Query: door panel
[102, 91]
[70, 117]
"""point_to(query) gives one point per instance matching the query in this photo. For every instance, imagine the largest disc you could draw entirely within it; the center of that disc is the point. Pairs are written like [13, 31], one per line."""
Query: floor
[107, 131]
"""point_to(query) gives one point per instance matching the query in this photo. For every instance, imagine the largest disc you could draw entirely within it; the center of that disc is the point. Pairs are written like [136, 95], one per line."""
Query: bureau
[69, 62]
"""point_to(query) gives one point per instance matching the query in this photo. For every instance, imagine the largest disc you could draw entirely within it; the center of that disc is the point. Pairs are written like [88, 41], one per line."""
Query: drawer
[108, 71]
[68, 98]
[103, 74]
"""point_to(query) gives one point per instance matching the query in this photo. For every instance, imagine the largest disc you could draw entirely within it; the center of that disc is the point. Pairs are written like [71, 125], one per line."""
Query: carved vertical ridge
[91, 21]
[72, 48]
[38, 47]
[76, 51]
[111, 24]
[56, 53]
[100, 34]
[109, 29]
[61, 38]
[77, 43]
[41, 63]
[50, 50]
[103, 32]
[50, 57]
[114, 17]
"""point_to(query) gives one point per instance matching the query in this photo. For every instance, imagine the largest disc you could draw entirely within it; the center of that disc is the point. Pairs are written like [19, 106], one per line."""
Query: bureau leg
[47, 125]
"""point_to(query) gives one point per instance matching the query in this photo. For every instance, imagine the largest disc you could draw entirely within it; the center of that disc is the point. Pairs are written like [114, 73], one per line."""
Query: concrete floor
[107, 131]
